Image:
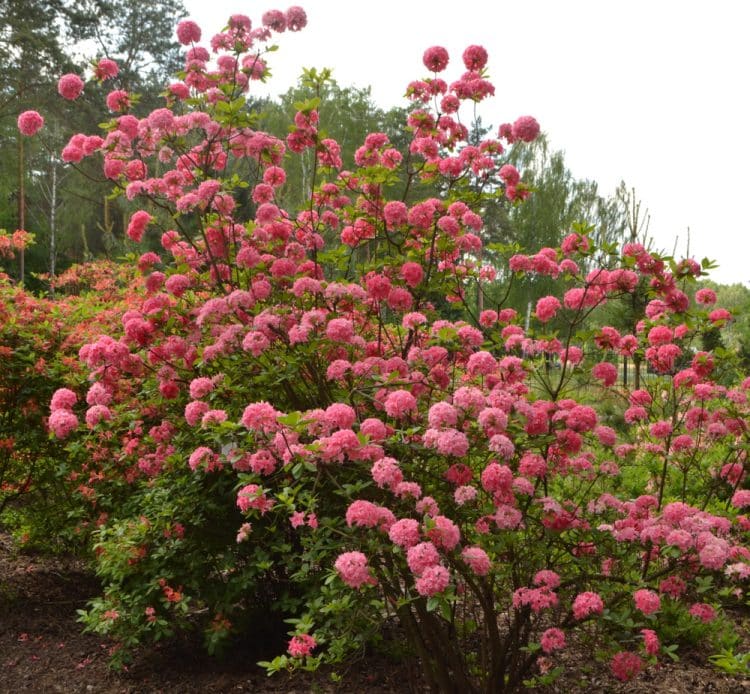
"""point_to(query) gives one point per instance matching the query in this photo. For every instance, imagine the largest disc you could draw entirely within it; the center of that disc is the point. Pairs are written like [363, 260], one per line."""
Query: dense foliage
[330, 412]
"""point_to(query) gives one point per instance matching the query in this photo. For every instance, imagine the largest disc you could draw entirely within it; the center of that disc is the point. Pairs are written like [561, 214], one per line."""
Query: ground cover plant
[327, 415]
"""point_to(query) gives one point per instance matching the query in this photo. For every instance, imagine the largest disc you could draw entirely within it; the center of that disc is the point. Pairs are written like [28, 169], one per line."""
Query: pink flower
[428, 507]
[106, 69]
[470, 400]
[477, 560]
[98, 395]
[526, 128]
[411, 273]
[213, 417]
[405, 489]
[635, 414]
[435, 58]
[340, 330]
[275, 20]
[179, 90]
[496, 478]
[97, 413]
[137, 225]
[464, 494]
[741, 498]
[194, 411]
[625, 665]
[647, 601]
[481, 363]
[719, 316]
[163, 119]
[537, 598]
[673, 586]
[452, 442]
[680, 538]
[606, 435]
[553, 639]
[188, 32]
[573, 355]
[340, 415]
[261, 462]
[502, 445]
[297, 519]
[586, 604]
[700, 610]
[204, 456]
[63, 399]
[546, 308]
[70, 86]
[650, 641]
[510, 175]
[581, 418]
[444, 533]
[400, 404]
[253, 496]
[374, 429]
[353, 569]
[200, 387]
[255, 342]
[411, 321]
[71, 153]
[661, 429]
[296, 19]
[493, 420]
[260, 416]
[420, 557]
[62, 422]
[705, 296]
[660, 335]
[548, 578]
[386, 473]
[30, 122]
[118, 101]
[475, 58]
[605, 372]
[434, 580]
[365, 514]
[714, 553]
[404, 532]
[395, 214]
[442, 414]
[301, 645]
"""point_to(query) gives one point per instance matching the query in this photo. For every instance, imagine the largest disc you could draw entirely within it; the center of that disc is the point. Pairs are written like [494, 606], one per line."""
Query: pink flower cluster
[62, 421]
[647, 601]
[587, 604]
[301, 645]
[353, 569]
[30, 123]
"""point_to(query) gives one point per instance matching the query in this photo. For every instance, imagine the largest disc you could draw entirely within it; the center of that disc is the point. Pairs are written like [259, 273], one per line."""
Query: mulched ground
[43, 650]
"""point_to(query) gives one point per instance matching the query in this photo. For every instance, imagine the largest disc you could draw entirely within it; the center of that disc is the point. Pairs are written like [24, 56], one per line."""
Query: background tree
[39, 41]
[139, 36]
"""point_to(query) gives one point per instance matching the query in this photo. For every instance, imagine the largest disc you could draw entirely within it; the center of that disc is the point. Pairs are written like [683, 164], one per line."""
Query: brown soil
[42, 649]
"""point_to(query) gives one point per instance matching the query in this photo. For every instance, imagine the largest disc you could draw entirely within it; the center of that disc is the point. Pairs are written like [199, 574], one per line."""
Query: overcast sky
[652, 92]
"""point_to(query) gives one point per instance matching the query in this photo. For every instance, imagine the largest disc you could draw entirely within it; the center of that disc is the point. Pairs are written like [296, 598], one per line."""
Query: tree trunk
[21, 207]
[52, 228]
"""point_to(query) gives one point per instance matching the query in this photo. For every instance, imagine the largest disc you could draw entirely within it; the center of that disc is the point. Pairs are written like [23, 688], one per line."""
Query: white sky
[653, 92]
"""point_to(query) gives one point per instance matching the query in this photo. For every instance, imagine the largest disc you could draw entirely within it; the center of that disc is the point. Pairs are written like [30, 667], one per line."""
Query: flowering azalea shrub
[288, 422]
[39, 342]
